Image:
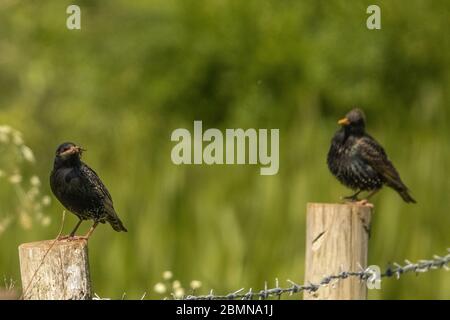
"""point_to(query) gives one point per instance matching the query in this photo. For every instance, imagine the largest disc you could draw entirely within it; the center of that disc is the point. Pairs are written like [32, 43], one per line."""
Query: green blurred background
[139, 69]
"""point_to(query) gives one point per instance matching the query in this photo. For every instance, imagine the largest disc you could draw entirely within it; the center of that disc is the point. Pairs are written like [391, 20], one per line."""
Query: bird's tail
[398, 185]
[406, 196]
[117, 224]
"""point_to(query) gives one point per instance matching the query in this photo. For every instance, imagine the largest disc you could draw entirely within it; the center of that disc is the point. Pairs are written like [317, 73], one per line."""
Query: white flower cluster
[177, 290]
[15, 159]
[9, 136]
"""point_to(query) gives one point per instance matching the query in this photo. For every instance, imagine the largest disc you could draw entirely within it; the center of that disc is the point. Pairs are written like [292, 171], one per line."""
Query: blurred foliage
[139, 69]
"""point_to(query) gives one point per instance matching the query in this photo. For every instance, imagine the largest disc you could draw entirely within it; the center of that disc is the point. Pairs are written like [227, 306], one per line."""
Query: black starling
[359, 162]
[80, 190]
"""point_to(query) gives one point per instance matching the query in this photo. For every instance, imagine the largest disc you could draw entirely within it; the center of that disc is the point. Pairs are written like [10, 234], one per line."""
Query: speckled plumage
[79, 188]
[359, 162]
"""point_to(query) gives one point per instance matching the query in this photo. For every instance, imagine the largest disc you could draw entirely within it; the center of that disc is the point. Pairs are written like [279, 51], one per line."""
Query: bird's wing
[97, 184]
[375, 156]
[99, 188]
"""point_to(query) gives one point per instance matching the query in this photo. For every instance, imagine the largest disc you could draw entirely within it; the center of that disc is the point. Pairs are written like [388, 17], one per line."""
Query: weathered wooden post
[55, 270]
[337, 238]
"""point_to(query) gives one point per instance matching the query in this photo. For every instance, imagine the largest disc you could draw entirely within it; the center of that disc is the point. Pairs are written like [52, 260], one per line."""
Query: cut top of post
[55, 270]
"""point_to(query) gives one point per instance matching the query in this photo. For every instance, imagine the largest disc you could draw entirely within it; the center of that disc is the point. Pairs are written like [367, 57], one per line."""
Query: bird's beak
[344, 122]
[72, 150]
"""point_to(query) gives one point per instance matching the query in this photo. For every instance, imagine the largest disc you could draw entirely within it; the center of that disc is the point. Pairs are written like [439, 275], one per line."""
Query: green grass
[135, 72]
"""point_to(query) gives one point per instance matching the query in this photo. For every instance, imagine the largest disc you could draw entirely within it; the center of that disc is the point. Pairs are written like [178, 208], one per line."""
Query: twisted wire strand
[367, 275]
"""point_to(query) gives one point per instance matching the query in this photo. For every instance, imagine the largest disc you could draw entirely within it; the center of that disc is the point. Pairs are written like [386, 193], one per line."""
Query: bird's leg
[86, 237]
[353, 197]
[72, 234]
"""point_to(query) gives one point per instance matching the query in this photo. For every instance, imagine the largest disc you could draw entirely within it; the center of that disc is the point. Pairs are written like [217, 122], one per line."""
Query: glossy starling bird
[80, 190]
[359, 162]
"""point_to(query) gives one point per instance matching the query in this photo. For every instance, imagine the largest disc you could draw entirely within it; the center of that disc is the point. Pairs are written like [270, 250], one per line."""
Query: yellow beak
[344, 122]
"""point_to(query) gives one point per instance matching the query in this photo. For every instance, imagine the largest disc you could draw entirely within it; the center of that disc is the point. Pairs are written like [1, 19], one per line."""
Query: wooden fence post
[55, 270]
[336, 240]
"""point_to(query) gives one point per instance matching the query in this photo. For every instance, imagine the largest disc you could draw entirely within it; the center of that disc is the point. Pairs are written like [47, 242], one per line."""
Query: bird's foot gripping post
[337, 237]
[357, 202]
[55, 270]
[71, 237]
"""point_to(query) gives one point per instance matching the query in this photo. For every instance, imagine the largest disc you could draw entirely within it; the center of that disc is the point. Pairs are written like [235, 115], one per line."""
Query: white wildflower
[5, 129]
[27, 153]
[45, 221]
[35, 181]
[46, 200]
[15, 178]
[195, 284]
[167, 275]
[160, 288]
[176, 284]
[25, 221]
[179, 293]
[4, 134]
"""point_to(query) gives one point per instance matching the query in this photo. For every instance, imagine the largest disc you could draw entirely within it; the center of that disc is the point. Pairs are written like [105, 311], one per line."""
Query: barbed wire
[367, 275]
